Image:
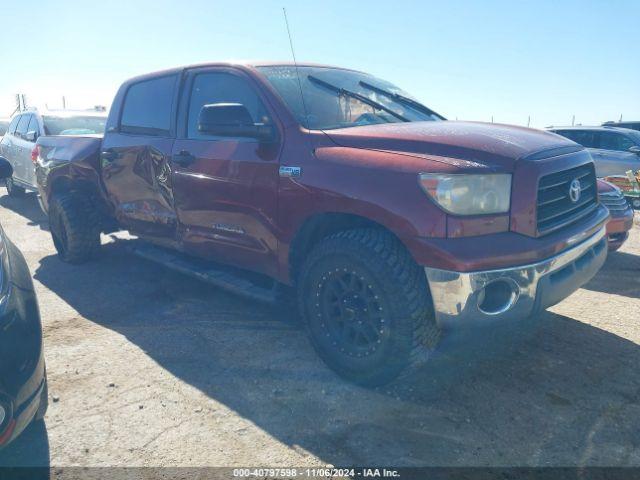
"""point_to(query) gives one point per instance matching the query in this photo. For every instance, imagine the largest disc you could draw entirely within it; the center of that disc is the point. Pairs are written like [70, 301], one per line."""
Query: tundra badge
[290, 171]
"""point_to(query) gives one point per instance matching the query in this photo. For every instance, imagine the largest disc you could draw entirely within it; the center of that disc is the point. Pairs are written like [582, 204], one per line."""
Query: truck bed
[70, 156]
[68, 148]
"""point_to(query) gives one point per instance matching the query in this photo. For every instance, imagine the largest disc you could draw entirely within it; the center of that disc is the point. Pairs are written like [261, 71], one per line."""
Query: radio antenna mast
[295, 64]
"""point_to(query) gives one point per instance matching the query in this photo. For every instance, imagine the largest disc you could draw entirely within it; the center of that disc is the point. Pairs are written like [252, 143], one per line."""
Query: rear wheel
[367, 307]
[12, 189]
[74, 227]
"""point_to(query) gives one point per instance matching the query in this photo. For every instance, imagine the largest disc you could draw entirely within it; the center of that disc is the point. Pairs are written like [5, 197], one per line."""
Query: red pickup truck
[391, 223]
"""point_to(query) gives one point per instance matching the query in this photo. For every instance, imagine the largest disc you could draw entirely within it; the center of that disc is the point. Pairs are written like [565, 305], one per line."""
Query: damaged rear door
[135, 158]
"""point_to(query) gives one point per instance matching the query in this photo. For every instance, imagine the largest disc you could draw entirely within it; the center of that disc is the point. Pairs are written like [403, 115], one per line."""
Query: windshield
[76, 125]
[336, 98]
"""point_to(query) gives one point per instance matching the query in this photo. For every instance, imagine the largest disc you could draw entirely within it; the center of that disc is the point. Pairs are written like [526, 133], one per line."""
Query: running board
[231, 279]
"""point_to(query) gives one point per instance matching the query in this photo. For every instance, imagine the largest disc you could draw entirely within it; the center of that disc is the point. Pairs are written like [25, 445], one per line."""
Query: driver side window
[212, 88]
[615, 141]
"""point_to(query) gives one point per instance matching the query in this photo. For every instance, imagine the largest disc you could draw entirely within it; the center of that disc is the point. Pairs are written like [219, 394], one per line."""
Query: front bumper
[478, 298]
[618, 229]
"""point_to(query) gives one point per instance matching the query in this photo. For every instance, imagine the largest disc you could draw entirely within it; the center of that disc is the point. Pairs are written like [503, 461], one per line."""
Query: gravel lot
[151, 368]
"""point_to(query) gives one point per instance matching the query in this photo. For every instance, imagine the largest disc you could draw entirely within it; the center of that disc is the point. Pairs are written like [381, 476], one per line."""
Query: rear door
[612, 157]
[135, 159]
[226, 188]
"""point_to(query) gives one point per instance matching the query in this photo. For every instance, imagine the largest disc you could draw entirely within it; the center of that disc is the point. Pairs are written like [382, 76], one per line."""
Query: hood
[461, 144]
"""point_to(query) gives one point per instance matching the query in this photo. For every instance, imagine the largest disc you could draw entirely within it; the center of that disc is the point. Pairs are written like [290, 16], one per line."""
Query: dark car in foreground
[621, 220]
[387, 223]
[23, 383]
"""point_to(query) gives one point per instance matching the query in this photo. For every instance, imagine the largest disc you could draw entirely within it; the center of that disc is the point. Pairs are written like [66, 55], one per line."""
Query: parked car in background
[23, 380]
[18, 144]
[4, 125]
[621, 220]
[632, 125]
[629, 185]
[614, 150]
[390, 224]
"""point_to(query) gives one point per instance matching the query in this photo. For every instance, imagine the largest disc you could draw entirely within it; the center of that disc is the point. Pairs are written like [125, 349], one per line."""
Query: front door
[226, 188]
[612, 157]
[135, 160]
[21, 153]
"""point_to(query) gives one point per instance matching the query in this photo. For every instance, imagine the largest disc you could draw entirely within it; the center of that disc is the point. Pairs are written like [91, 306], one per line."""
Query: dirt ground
[150, 368]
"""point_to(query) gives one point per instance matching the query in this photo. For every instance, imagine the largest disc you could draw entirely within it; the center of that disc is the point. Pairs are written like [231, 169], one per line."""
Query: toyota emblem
[574, 190]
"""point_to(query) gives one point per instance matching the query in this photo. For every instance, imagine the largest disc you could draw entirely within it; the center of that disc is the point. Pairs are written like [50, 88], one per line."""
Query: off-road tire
[74, 227]
[14, 190]
[393, 286]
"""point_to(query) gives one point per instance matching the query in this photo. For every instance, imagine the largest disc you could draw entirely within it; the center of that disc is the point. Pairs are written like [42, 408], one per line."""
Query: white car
[18, 143]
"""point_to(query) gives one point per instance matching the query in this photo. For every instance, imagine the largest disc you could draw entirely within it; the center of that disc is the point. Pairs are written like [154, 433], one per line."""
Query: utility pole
[573, 120]
[64, 103]
[528, 121]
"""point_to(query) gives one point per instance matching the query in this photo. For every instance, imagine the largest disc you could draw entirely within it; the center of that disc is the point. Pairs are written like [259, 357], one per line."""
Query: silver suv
[614, 150]
[19, 141]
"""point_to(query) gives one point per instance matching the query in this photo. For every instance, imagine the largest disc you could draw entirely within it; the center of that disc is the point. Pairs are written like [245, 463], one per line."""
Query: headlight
[461, 194]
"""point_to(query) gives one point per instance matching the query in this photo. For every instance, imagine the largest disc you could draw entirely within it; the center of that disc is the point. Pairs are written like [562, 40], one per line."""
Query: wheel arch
[322, 225]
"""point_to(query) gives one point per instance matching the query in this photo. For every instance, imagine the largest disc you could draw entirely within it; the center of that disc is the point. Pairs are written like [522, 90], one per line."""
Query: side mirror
[31, 136]
[231, 120]
[6, 170]
[635, 149]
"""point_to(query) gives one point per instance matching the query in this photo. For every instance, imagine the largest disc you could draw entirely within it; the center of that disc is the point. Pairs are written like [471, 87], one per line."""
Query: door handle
[108, 155]
[183, 158]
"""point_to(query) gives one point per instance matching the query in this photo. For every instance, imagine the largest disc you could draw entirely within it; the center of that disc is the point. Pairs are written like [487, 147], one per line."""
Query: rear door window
[148, 107]
[586, 138]
[23, 125]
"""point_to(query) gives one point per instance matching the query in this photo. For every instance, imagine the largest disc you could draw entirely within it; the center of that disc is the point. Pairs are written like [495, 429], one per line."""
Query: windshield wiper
[357, 96]
[401, 99]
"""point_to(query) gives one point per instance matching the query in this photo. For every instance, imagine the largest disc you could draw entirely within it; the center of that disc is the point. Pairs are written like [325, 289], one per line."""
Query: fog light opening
[498, 296]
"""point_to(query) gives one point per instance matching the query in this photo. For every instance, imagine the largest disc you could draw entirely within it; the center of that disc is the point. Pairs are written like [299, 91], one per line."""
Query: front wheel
[367, 306]
[74, 227]
[12, 189]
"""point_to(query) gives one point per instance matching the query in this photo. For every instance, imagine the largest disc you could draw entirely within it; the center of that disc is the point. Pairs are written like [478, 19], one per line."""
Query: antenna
[295, 64]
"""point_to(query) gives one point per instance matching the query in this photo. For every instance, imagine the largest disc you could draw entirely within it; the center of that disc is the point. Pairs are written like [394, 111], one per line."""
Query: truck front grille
[614, 201]
[556, 206]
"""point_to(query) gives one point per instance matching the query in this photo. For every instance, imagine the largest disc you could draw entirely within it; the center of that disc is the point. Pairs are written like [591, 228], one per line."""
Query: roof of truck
[589, 127]
[238, 63]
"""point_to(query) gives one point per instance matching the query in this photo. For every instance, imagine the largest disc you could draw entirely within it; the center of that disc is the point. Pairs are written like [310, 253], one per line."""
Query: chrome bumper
[476, 298]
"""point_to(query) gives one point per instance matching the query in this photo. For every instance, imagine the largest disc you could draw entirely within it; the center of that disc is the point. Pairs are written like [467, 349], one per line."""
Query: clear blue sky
[470, 60]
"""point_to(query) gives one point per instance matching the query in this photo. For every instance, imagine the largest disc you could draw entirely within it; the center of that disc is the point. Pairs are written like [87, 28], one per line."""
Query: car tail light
[35, 153]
